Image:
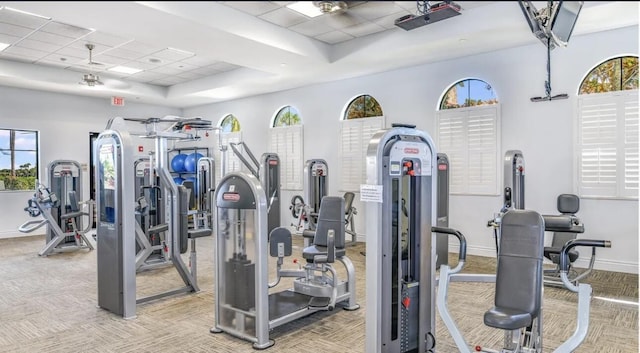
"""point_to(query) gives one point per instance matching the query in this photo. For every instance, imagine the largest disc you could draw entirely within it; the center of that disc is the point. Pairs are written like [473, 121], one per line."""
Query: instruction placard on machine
[370, 193]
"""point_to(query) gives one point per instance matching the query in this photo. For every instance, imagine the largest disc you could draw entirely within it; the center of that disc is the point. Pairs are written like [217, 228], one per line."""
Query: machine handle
[410, 126]
[462, 255]
[564, 253]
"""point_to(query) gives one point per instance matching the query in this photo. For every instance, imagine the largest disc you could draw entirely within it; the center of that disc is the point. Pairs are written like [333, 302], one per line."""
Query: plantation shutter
[607, 145]
[355, 135]
[470, 138]
[287, 142]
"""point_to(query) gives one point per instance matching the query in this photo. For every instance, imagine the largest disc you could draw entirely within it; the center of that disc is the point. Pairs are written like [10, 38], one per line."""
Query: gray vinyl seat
[568, 206]
[519, 275]
[330, 217]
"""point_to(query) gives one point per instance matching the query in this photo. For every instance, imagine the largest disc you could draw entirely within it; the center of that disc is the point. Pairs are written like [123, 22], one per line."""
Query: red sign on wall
[118, 101]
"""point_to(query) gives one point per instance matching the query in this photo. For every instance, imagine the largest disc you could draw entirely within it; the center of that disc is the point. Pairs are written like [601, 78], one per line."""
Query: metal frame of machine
[401, 165]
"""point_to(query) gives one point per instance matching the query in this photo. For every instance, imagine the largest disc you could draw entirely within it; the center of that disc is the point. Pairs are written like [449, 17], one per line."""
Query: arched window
[607, 130]
[363, 106]
[286, 140]
[468, 93]
[361, 118]
[230, 124]
[287, 116]
[468, 132]
[617, 74]
[229, 133]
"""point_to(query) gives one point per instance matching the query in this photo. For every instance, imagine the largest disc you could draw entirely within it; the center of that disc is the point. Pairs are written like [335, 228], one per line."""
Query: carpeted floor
[49, 304]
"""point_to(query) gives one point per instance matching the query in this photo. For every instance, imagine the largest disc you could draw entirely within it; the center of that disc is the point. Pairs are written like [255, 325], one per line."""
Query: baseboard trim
[599, 264]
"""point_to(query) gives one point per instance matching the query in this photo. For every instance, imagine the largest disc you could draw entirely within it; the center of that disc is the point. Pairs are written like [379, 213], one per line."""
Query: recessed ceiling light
[125, 70]
[306, 8]
[4, 46]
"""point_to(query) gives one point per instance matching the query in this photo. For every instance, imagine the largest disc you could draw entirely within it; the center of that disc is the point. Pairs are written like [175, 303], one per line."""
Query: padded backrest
[561, 238]
[519, 273]
[348, 201]
[568, 203]
[330, 217]
[73, 202]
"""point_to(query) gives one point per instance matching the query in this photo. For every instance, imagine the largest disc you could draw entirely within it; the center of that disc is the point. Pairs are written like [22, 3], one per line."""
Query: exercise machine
[267, 170]
[518, 286]
[116, 256]
[152, 250]
[248, 305]
[565, 227]
[442, 240]
[305, 208]
[61, 210]
[400, 252]
[203, 217]
[513, 191]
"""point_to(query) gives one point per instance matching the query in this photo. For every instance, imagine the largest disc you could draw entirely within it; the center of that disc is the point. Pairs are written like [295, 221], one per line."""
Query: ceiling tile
[283, 3]
[21, 19]
[13, 30]
[124, 53]
[339, 20]
[206, 71]
[82, 45]
[141, 65]
[372, 10]
[334, 37]
[363, 29]
[146, 76]
[56, 63]
[311, 28]
[170, 54]
[74, 52]
[284, 17]
[87, 68]
[165, 70]
[26, 52]
[411, 6]
[51, 38]
[199, 61]
[190, 75]
[8, 39]
[38, 45]
[389, 21]
[106, 39]
[66, 30]
[63, 59]
[223, 66]
[139, 47]
[109, 59]
[254, 8]
[181, 65]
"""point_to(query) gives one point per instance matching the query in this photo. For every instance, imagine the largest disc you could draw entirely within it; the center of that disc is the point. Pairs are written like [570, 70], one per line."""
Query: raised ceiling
[192, 53]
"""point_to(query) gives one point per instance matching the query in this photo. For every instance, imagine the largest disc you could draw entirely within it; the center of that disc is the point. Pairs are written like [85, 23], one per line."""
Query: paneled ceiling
[186, 53]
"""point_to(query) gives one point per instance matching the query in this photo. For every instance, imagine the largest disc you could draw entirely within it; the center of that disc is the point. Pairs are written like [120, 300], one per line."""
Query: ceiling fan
[90, 79]
[331, 6]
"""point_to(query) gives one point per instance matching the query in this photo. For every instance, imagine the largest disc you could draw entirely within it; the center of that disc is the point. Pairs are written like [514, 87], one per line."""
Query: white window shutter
[355, 135]
[607, 145]
[470, 137]
[233, 162]
[287, 143]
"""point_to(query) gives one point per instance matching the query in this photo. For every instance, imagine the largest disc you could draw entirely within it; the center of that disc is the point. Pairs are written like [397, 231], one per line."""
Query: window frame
[12, 131]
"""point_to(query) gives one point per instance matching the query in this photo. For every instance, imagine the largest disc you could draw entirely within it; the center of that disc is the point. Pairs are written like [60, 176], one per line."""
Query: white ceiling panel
[334, 37]
[18, 31]
[363, 29]
[222, 66]
[139, 47]
[373, 10]
[389, 21]
[124, 53]
[199, 61]
[189, 75]
[8, 39]
[254, 8]
[38, 45]
[284, 17]
[66, 30]
[311, 29]
[109, 59]
[29, 53]
[74, 52]
[21, 19]
[340, 20]
[172, 54]
[181, 65]
[106, 39]
[166, 70]
[51, 38]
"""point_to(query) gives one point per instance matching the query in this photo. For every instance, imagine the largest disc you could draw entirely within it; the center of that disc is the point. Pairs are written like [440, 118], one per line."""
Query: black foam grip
[564, 253]
[462, 255]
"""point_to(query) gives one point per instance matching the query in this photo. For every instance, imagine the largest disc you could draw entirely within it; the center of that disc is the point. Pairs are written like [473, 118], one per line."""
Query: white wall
[543, 131]
[64, 123]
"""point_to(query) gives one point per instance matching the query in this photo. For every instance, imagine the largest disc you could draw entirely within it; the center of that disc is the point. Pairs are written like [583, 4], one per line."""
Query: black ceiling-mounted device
[428, 14]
